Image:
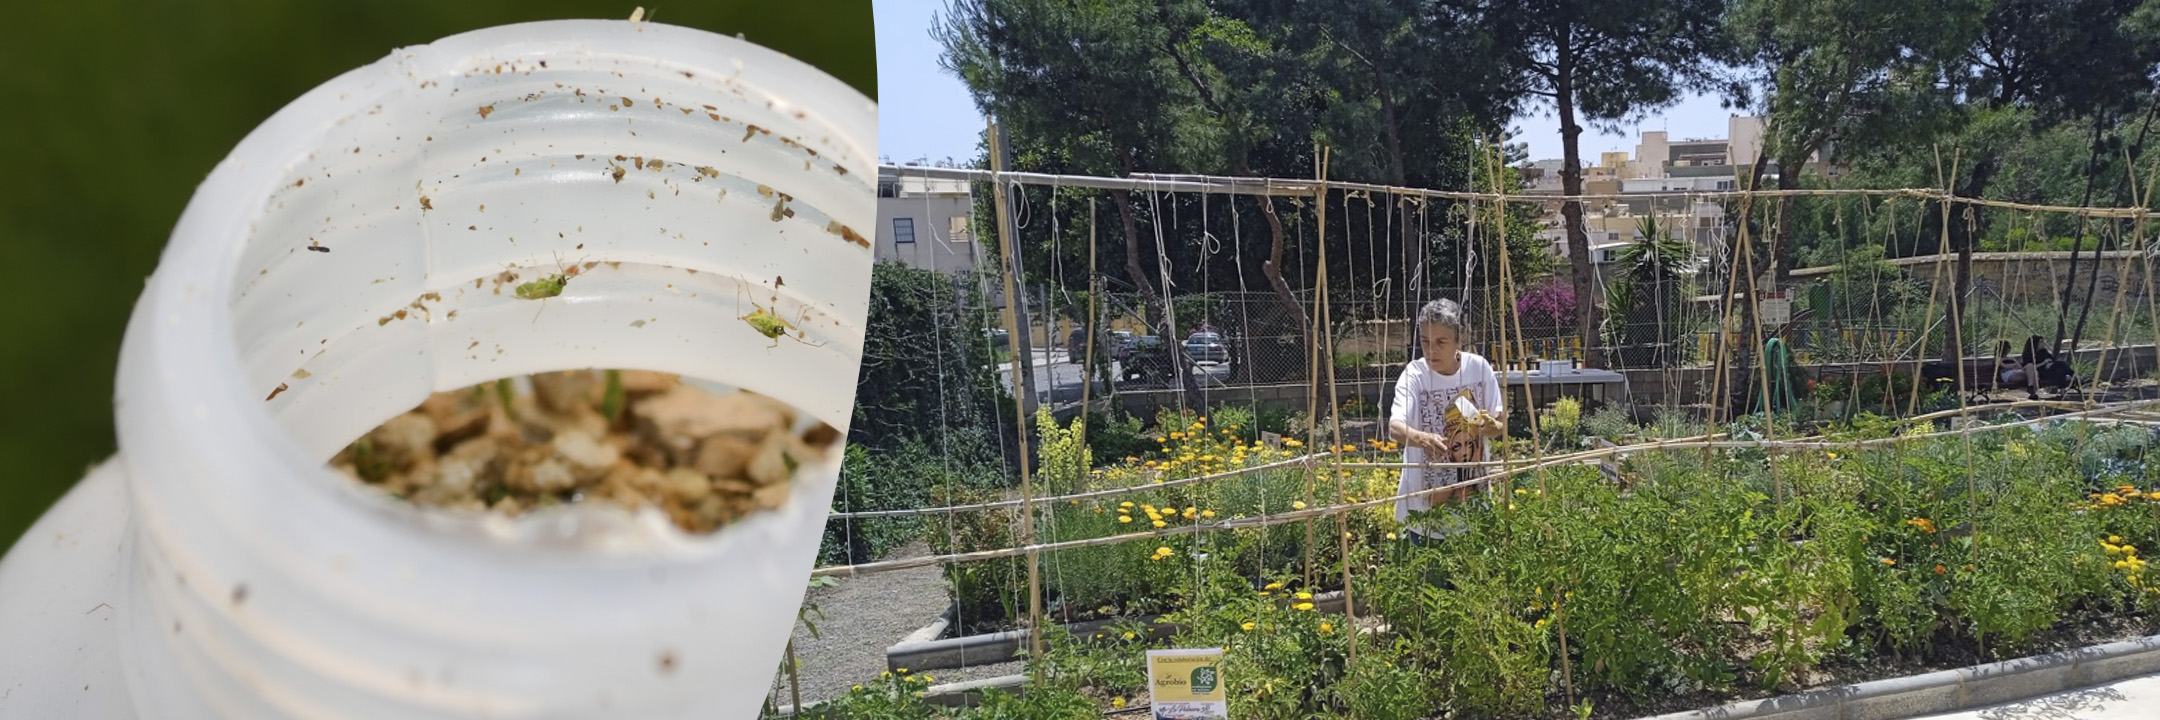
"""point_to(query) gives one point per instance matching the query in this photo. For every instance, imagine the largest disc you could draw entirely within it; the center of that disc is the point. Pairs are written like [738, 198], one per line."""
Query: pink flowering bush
[1550, 303]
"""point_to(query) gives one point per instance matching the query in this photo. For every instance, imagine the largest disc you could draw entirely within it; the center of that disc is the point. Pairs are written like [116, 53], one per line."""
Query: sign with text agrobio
[1187, 684]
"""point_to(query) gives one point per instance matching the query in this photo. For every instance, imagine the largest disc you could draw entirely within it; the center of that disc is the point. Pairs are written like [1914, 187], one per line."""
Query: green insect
[769, 323]
[549, 285]
[545, 287]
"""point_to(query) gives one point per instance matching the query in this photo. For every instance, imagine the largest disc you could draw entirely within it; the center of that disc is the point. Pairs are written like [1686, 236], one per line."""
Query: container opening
[528, 215]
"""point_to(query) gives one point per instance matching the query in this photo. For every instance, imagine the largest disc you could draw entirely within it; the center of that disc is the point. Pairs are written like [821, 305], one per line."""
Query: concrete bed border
[1947, 691]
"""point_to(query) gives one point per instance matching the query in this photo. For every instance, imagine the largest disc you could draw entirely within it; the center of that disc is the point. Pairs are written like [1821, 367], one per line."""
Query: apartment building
[926, 223]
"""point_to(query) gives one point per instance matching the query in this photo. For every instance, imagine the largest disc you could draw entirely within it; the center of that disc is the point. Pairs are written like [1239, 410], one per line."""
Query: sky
[926, 114]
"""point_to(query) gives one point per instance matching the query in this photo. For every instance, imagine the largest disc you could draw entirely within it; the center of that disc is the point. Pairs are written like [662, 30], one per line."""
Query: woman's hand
[1429, 442]
[1495, 423]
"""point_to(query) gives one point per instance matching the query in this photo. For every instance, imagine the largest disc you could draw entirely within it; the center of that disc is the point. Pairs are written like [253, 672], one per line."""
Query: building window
[888, 189]
[959, 231]
[903, 230]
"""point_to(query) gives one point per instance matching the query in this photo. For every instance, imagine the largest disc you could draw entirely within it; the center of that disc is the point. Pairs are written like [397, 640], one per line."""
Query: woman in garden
[1430, 423]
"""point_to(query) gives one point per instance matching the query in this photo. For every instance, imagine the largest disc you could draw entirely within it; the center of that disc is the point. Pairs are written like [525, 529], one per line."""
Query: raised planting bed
[1898, 698]
[1948, 691]
[929, 648]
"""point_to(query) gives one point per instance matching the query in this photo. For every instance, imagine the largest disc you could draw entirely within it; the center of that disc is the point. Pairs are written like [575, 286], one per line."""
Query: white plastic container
[218, 569]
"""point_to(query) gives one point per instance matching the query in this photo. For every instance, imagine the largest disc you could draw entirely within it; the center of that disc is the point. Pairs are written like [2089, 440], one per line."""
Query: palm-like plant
[1646, 301]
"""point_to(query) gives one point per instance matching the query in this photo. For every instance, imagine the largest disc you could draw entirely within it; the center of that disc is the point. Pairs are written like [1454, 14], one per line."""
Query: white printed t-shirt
[1425, 400]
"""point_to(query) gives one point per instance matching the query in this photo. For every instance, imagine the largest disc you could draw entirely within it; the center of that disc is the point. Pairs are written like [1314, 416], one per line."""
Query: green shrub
[1611, 424]
[924, 413]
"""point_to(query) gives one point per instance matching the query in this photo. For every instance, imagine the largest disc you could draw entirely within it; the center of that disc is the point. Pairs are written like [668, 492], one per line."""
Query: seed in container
[631, 438]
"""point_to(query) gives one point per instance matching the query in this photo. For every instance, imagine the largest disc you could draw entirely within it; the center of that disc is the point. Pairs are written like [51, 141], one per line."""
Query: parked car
[1121, 345]
[999, 339]
[1106, 346]
[1149, 359]
[1207, 347]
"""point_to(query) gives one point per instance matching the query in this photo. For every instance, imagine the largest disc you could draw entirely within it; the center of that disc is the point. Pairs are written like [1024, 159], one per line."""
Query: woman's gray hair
[1444, 313]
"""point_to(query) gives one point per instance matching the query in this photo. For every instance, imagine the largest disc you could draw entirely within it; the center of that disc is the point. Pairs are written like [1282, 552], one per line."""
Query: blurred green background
[114, 111]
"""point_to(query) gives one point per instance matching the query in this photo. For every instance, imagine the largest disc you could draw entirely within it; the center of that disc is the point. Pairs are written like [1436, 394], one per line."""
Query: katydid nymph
[767, 320]
[548, 286]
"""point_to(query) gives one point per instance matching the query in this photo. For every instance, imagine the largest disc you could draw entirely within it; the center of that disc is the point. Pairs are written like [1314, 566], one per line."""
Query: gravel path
[863, 616]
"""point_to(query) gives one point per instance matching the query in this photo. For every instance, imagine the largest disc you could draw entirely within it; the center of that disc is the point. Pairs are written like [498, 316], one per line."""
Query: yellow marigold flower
[857, 688]
[1162, 440]
[902, 671]
[1304, 596]
[1298, 504]
[1520, 491]
[1124, 518]
[1128, 636]
[1302, 606]
[1247, 626]
[1207, 513]
[2116, 539]
[1326, 627]
[1177, 436]
[1160, 523]
[2120, 565]
[927, 679]
[1117, 702]
[1292, 442]
[2111, 549]
[1265, 593]
[885, 675]
[1165, 550]
[1888, 561]
[1391, 536]
[1130, 458]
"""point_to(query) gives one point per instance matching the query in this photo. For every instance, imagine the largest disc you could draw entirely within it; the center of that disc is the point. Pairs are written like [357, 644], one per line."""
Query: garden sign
[1187, 684]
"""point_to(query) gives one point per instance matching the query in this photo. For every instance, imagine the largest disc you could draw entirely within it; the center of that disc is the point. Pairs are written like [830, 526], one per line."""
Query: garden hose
[1779, 359]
